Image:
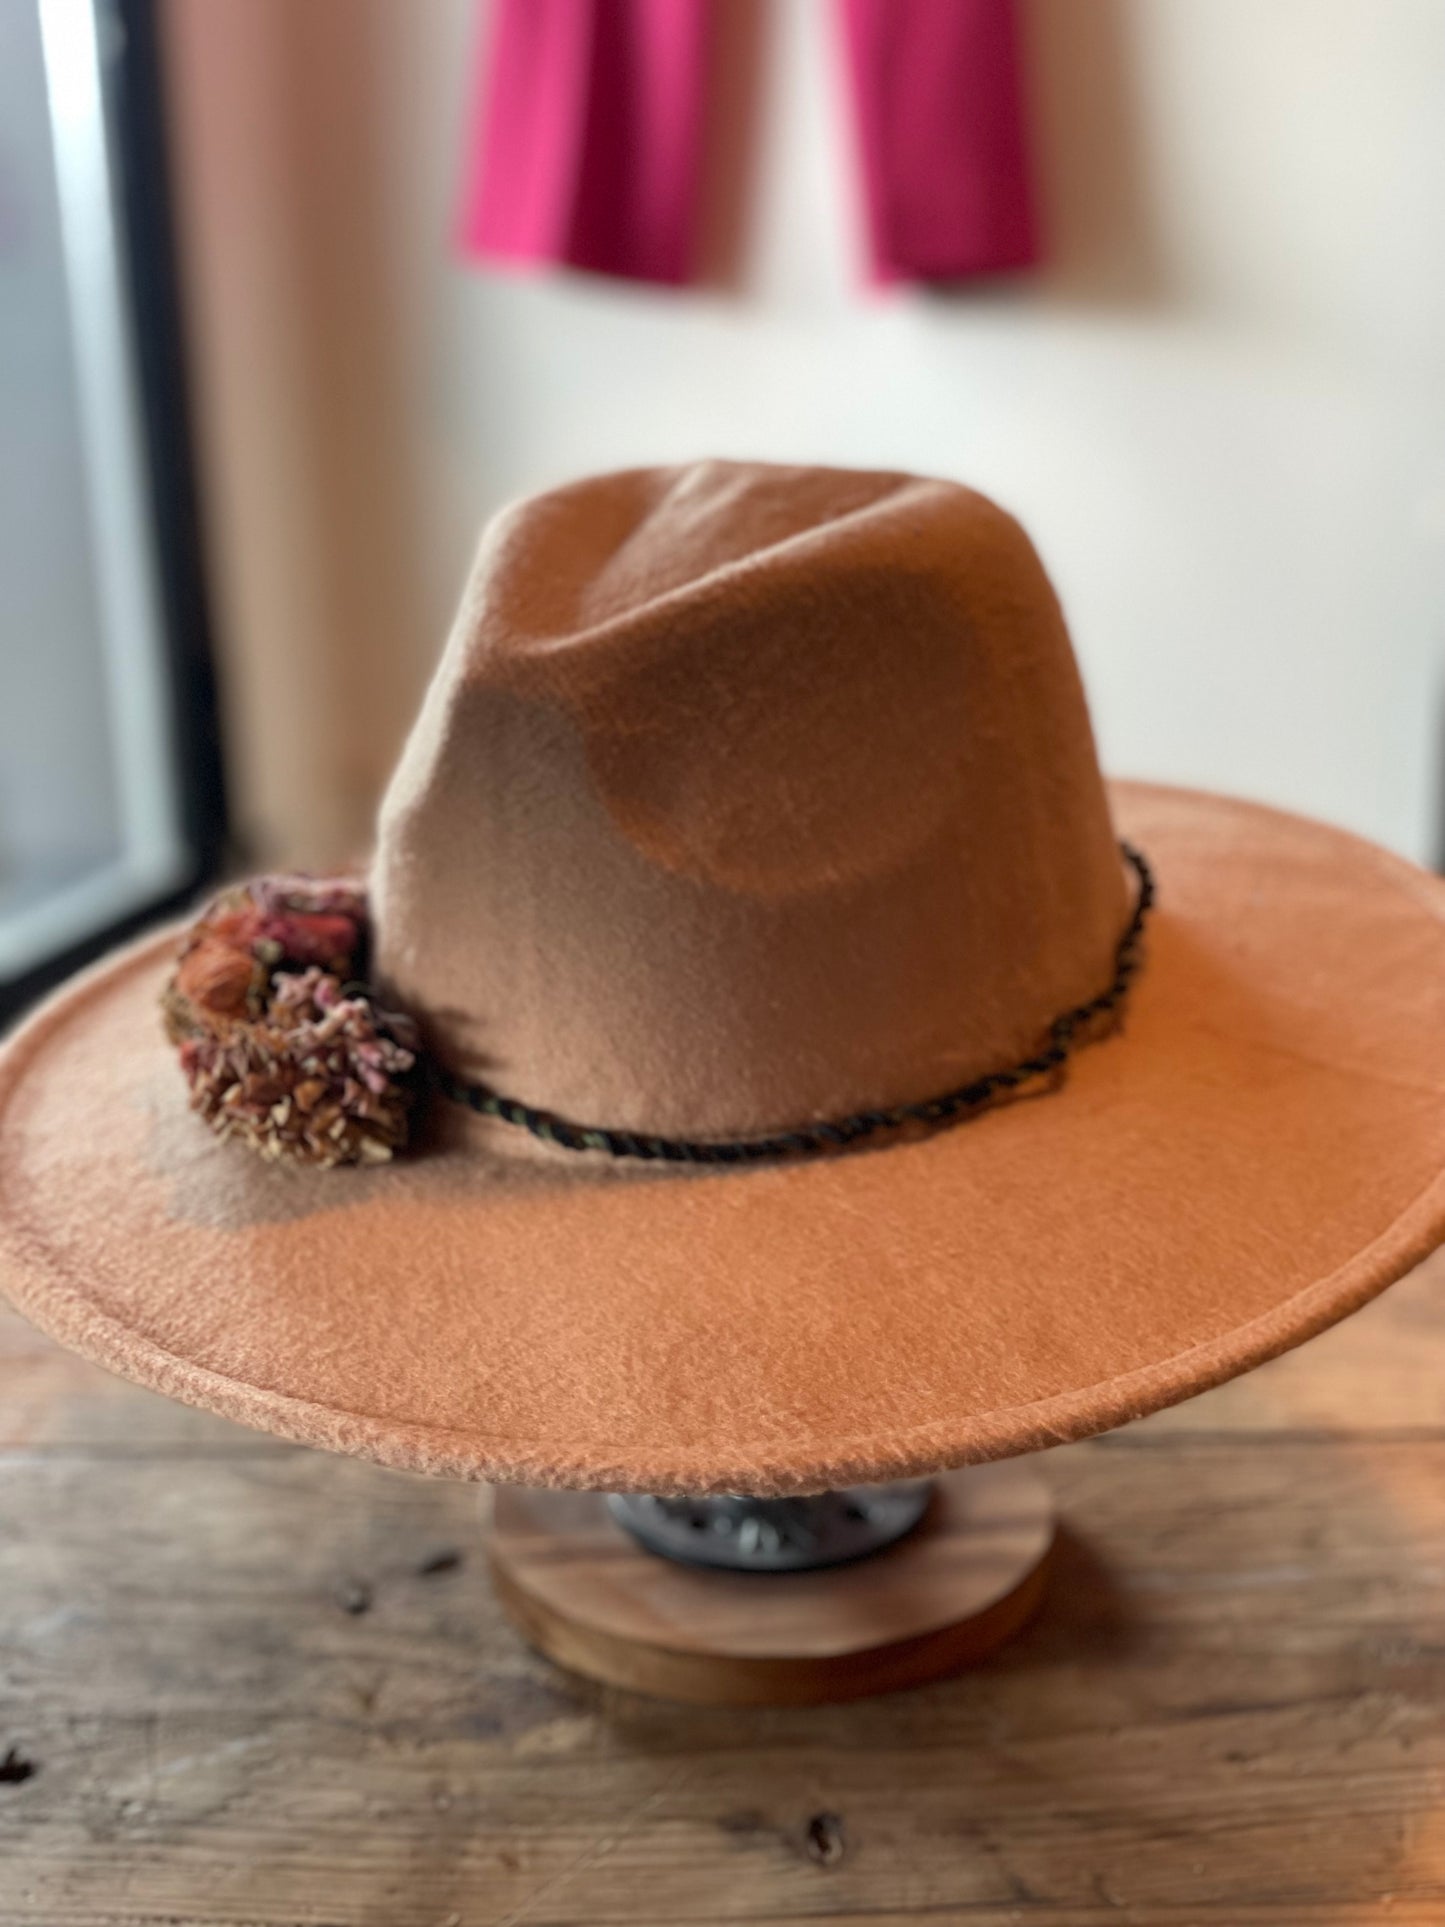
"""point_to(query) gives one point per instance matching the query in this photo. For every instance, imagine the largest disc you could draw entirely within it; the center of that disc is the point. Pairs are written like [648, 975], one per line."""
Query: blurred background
[257, 394]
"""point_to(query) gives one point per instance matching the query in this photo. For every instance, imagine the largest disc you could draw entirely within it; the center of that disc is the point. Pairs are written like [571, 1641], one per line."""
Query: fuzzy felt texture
[746, 795]
[1258, 1153]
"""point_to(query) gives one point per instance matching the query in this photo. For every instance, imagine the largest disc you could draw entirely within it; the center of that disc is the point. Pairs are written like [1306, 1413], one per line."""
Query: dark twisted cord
[1064, 1035]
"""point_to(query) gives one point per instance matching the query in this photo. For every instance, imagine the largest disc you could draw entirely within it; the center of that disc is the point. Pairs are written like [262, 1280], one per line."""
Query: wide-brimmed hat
[833, 1104]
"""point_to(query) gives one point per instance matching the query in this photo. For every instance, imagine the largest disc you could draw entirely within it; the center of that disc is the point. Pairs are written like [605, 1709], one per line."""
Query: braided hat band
[1065, 1034]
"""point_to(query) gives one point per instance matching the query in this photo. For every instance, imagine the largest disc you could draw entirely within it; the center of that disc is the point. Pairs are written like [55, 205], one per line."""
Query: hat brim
[1255, 1155]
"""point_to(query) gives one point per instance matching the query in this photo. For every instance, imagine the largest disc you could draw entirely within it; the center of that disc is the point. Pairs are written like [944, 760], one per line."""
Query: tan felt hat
[749, 800]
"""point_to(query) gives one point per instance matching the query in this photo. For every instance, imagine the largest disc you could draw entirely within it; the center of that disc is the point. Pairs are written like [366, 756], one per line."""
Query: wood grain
[255, 1689]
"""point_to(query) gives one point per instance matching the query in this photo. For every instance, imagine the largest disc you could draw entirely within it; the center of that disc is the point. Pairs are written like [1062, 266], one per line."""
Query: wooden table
[245, 1683]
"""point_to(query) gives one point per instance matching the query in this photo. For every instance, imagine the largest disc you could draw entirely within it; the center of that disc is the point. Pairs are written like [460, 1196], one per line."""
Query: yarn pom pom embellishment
[281, 1043]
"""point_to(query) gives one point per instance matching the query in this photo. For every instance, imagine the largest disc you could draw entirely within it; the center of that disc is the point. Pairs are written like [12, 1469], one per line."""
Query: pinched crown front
[744, 795]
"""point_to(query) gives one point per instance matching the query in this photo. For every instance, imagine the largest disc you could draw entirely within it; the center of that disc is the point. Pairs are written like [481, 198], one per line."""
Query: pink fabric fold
[589, 147]
[938, 96]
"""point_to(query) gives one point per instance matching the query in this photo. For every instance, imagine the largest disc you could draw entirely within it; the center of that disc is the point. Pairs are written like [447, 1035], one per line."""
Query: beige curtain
[294, 325]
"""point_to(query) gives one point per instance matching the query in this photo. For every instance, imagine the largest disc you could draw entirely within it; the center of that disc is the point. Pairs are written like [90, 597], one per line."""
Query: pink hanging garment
[936, 86]
[589, 147]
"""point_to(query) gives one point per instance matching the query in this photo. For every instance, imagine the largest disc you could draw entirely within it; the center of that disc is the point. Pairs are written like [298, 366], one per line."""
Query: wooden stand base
[579, 1588]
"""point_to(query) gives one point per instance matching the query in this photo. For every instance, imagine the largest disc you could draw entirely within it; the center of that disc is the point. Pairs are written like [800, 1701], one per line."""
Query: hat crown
[746, 795]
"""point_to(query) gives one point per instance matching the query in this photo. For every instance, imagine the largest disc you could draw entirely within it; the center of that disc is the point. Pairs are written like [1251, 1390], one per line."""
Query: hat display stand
[755, 1066]
[742, 1601]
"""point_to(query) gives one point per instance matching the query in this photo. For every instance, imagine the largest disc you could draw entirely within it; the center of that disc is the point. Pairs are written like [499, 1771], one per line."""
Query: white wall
[1221, 410]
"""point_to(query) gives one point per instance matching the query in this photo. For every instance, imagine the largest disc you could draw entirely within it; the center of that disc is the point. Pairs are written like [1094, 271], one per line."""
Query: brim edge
[54, 1307]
